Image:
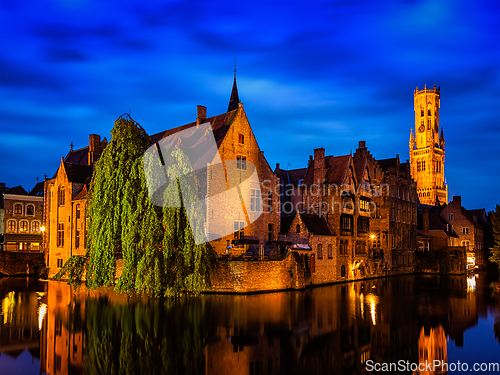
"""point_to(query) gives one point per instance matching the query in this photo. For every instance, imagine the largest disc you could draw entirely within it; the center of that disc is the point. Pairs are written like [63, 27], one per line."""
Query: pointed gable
[234, 99]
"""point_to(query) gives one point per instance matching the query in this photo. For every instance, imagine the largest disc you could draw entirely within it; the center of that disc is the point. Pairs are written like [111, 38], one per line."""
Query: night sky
[310, 74]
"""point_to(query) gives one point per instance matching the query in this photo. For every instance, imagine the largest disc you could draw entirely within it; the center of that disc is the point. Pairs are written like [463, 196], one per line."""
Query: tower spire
[234, 99]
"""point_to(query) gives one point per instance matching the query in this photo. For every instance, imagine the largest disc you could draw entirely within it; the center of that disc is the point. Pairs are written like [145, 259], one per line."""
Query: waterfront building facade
[21, 215]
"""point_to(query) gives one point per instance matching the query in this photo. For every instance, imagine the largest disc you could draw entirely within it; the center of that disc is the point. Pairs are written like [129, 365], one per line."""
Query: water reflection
[334, 329]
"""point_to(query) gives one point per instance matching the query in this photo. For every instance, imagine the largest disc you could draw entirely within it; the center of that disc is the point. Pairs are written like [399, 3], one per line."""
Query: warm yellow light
[42, 311]
[42, 229]
[372, 236]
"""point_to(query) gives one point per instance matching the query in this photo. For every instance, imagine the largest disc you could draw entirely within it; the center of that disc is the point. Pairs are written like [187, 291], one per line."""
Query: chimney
[319, 165]
[362, 144]
[201, 114]
[425, 218]
[277, 165]
[458, 200]
[94, 148]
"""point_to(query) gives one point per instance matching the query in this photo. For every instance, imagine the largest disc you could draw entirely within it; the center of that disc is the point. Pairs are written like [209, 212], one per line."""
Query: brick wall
[257, 276]
[20, 263]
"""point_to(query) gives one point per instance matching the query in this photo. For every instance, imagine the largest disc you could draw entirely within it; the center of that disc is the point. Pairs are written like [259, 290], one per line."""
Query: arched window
[23, 226]
[12, 226]
[342, 271]
[18, 209]
[35, 226]
[60, 196]
[30, 209]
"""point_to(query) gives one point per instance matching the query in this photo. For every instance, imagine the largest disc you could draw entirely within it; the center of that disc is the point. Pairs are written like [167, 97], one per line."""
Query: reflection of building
[64, 338]
[432, 346]
[427, 148]
[21, 218]
[19, 323]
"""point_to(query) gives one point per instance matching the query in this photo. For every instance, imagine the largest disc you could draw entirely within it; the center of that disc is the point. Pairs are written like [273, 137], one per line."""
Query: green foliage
[155, 337]
[73, 270]
[157, 245]
[495, 223]
[105, 198]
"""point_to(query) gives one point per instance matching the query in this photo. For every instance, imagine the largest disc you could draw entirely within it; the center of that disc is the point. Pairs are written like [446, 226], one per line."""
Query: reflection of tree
[157, 337]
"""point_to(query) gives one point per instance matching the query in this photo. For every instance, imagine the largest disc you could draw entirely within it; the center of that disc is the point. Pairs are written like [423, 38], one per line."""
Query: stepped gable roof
[336, 168]
[316, 224]
[18, 190]
[78, 173]
[220, 125]
[37, 189]
[359, 167]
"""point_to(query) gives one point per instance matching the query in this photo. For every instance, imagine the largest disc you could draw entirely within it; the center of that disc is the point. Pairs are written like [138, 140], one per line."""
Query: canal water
[393, 324]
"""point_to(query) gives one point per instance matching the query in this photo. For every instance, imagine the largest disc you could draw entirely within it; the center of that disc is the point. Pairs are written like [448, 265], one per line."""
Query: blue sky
[310, 74]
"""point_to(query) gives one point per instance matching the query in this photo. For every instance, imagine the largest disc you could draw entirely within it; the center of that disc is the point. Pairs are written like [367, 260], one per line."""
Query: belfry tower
[427, 148]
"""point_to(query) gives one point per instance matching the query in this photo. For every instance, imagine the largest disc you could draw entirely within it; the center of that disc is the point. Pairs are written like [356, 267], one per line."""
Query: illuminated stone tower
[427, 148]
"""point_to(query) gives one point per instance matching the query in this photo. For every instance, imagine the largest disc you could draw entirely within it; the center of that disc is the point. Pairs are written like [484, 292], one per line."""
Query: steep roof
[78, 173]
[387, 164]
[359, 167]
[37, 189]
[337, 168]
[316, 225]
[234, 99]
[437, 222]
[291, 176]
[220, 125]
[18, 190]
[79, 156]
[286, 221]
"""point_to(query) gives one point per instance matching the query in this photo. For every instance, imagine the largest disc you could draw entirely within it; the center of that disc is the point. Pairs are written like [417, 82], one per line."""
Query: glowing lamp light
[42, 229]
[372, 236]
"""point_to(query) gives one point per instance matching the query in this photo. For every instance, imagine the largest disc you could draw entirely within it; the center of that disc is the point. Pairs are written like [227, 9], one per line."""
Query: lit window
[23, 226]
[241, 162]
[466, 244]
[35, 226]
[241, 138]
[30, 209]
[18, 209]
[12, 225]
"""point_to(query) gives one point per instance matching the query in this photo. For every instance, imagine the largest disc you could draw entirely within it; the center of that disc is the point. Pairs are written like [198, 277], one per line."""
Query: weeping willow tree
[156, 242]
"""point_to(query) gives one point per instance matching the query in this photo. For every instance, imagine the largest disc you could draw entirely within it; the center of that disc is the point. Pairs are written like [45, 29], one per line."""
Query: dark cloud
[16, 74]
[63, 55]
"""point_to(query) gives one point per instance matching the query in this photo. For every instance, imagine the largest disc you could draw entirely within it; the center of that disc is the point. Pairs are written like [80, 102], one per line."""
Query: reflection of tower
[427, 148]
[432, 347]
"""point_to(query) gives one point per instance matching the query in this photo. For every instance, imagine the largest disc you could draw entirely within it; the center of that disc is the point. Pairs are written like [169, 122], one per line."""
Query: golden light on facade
[8, 304]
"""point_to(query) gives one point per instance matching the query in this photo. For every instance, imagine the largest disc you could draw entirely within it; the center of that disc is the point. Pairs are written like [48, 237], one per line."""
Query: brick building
[66, 191]
[469, 230]
[64, 209]
[21, 216]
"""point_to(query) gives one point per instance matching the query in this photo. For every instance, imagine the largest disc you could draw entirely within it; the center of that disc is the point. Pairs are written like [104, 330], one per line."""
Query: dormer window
[241, 139]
